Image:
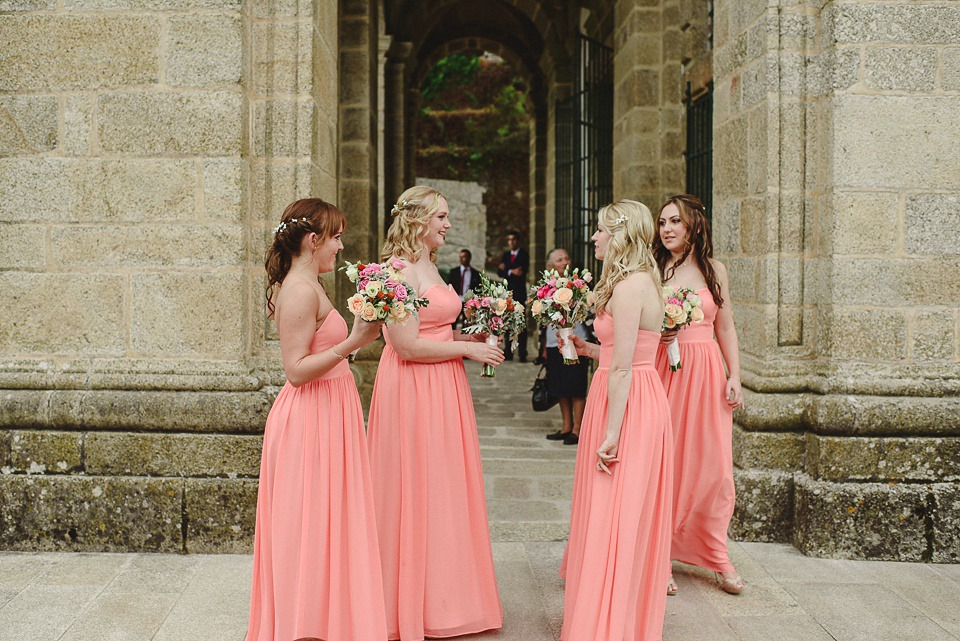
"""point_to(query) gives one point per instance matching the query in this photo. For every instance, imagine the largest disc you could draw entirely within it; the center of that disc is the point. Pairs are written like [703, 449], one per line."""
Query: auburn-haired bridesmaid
[428, 481]
[616, 561]
[316, 562]
[701, 394]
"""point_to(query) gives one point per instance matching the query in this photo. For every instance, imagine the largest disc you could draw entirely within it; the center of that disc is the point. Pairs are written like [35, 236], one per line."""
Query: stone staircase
[528, 479]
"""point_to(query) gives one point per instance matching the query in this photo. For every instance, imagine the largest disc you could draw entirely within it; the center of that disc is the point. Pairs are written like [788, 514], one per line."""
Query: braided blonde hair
[411, 215]
[631, 228]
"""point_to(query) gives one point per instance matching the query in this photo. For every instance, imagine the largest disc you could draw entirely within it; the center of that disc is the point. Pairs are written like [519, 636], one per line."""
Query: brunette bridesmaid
[701, 394]
[616, 561]
[435, 548]
[316, 563]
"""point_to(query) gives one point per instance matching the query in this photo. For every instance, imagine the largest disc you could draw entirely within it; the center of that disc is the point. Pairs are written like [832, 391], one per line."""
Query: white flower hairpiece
[403, 204]
[622, 218]
[285, 223]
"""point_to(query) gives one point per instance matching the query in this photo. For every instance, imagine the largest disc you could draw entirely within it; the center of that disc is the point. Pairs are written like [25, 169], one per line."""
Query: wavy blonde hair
[411, 215]
[631, 228]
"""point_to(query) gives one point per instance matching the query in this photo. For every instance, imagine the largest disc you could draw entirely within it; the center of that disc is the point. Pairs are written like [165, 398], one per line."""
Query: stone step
[568, 453]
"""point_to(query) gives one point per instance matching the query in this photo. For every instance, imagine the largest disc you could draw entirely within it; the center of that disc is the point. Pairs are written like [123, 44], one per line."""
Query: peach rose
[674, 311]
[369, 312]
[696, 315]
[669, 323]
[396, 309]
[563, 296]
[355, 303]
[500, 306]
[537, 307]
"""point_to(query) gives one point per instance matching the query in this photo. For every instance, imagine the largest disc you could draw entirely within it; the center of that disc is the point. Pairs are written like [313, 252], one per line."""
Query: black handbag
[541, 399]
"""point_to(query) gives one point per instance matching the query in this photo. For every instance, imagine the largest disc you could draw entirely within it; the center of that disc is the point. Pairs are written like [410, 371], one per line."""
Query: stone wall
[146, 149]
[835, 162]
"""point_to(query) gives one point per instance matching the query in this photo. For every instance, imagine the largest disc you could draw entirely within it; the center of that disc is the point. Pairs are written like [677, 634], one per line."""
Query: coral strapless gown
[703, 496]
[316, 563]
[617, 557]
[428, 490]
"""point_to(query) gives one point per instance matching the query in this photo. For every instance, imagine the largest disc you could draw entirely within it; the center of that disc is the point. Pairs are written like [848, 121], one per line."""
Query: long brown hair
[698, 242]
[300, 218]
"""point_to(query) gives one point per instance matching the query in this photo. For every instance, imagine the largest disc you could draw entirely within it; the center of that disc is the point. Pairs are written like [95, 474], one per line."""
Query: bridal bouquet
[682, 307]
[383, 294]
[563, 301]
[490, 309]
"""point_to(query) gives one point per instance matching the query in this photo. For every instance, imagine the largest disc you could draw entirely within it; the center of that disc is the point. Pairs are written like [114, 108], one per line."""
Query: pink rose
[543, 292]
[363, 284]
[674, 301]
[496, 323]
[578, 283]
[400, 292]
[397, 264]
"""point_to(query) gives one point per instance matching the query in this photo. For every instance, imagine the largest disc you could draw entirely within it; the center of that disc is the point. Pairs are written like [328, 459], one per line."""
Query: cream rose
[397, 309]
[373, 288]
[563, 296]
[500, 306]
[669, 323]
[355, 303]
[369, 312]
[537, 307]
[591, 298]
[696, 315]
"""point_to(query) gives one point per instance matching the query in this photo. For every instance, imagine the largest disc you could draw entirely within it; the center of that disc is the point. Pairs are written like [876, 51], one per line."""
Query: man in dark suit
[514, 266]
[463, 277]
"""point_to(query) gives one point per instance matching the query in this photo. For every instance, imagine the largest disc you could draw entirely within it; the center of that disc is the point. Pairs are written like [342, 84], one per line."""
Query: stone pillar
[359, 43]
[647, 113]
[835, 209]
[396, 124]
[538, 190]
[412, 108]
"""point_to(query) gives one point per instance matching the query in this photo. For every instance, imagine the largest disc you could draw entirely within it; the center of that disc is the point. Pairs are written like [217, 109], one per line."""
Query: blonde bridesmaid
[435, 548]
[616, 561]
[701, 394]
[316, 563]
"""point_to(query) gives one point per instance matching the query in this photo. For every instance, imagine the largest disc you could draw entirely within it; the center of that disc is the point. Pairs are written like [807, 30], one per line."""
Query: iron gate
[699, 152]
[584, 145]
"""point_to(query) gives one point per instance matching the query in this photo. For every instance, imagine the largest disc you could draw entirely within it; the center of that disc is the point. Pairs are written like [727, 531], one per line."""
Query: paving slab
[789, 597]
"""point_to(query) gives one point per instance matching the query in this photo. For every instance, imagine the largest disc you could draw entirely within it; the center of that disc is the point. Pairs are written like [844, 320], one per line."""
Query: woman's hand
[483, 353]
[733, 393]
[668, 336]
[364, 332]
[607, 453]
[578, 344]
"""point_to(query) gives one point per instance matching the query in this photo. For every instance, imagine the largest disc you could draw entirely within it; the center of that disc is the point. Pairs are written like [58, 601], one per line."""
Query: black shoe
[571, 439]
[557, 436]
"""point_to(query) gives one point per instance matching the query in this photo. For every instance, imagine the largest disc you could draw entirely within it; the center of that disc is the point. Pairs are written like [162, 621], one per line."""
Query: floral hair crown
[287, 223]
[403, 204]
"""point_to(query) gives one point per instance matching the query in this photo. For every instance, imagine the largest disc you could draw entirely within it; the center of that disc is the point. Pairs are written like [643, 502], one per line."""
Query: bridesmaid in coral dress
[435, 548]
[316, 563]
[701, 395]
[616, 561]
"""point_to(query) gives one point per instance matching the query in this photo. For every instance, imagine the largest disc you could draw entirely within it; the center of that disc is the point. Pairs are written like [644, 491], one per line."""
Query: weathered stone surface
[901, 24]
[78, 52]
[884, 415]
[841, 67]
[87, 318]
[22, 246]
[950, 69]
[883, 459]
[934, 336]
[27, 5]
[90, 513]
[169, 246]
[28, 124]
[164, 319]
[221, 516]
[861, 520]
[898, 68]
[281, 57]
[730, 159]
[282, 127]
[851, 334]
[783, 451]
[191, 455]
[204, 50]
[161, 5]
[931, 224]
[946, 523]
[207, 123]
[223, 190]
[73, 190]
[864, 124]
[46, 452]
[78, 124]
[861, 223]
[773, 412]
[764, 507]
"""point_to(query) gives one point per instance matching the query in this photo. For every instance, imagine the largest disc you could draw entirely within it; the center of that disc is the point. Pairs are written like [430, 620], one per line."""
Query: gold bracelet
[339, 358]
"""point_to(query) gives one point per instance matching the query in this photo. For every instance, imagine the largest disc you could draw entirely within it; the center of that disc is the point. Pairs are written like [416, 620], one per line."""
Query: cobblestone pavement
[134, 597]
